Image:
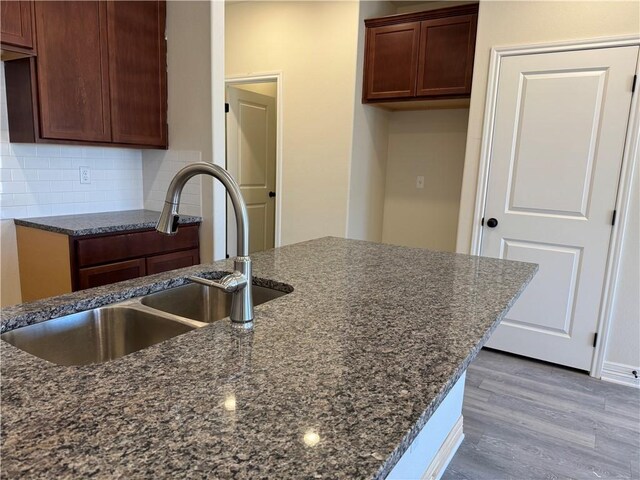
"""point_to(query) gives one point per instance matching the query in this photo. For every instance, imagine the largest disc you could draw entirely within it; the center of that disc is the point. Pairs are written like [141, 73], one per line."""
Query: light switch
[419, 181]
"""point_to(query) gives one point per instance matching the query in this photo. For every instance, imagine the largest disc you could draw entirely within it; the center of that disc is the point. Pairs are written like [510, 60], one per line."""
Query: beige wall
[10, 279]
[525, 22]
[367, 176]
[429, 143]
[314, 45]
[189, 114]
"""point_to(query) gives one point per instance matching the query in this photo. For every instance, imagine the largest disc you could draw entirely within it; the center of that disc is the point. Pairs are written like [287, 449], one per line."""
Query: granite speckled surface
[96, 223]
[359, 356]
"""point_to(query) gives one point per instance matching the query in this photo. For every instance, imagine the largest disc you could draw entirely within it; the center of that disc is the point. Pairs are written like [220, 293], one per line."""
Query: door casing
[263, 78]
[631, 150]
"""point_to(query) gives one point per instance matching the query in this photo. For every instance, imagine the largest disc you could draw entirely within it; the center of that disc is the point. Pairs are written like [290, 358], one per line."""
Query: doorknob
[492, 223]
[272, 194]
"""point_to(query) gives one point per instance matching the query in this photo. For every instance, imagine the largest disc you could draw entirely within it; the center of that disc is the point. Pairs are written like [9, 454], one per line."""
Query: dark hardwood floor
[526, 420]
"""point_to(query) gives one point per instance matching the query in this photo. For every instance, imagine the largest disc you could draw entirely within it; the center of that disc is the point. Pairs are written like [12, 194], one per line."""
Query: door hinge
[595, 339]
[226, 108]
[613, 218]
[633, 85]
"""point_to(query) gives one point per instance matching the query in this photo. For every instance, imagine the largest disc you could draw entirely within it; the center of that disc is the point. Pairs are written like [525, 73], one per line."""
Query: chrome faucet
[237, 283]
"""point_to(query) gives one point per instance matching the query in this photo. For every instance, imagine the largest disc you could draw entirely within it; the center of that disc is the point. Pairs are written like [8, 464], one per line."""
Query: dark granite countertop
[359, 355]
[103, 222]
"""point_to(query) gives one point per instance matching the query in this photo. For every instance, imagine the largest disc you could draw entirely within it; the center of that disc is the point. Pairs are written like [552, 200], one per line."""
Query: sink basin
[202, 303]
[94, 336]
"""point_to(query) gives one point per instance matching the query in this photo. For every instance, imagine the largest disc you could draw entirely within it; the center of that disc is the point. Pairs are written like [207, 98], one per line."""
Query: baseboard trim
[620, 373]
[446, 452]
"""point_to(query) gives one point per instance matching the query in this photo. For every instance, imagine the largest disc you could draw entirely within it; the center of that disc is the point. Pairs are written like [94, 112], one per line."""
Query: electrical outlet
[85, 175]
[420, 181]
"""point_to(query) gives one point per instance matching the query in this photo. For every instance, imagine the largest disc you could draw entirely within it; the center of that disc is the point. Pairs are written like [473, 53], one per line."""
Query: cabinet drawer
[111, 273]
[172, 261]
[112, 248]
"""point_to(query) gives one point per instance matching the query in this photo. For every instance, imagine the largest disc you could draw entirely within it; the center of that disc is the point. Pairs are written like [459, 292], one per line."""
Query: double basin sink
[111, 332]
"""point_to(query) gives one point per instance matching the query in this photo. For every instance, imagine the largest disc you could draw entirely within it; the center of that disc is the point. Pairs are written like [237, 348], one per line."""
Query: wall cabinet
[420, 56]
[16, 26]
[55, 263]
[99, 76]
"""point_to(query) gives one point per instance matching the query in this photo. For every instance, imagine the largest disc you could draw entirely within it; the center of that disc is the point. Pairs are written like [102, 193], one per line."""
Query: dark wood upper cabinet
[99, 77]
[16, 25]
[392, 61]
[420, 56]
[137, 51]
[73, 71]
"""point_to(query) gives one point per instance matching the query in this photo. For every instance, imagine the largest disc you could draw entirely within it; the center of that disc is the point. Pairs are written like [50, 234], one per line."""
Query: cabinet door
[171, 261]
[391, 61]
[72, 69]
[16, 23]
[111, 273]
[447, 46]
[137, 74]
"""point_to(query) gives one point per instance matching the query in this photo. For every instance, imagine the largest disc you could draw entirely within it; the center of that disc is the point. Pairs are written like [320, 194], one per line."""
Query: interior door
[251, 160]
[557, 148]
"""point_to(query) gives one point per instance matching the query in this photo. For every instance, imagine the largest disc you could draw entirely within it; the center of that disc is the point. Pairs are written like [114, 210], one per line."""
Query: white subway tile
[13, 212]
[6, 199]
[49, 174]
[13, 187]
[23, 149]
[73, 197]
[48, 198]
[38, 186]
[61, 162]
[46, 150]
[71, 151]
[93, 152]
[5, 175]
[7, 161]
[39, 210]
[20, 175]
[24, 199]
[73, 175]
[36, 162]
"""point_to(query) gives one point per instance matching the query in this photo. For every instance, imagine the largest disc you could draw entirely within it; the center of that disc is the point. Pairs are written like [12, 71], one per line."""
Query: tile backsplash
[44, 179]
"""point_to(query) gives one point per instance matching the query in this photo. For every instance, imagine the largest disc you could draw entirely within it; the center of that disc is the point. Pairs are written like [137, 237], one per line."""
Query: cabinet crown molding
[468, 9]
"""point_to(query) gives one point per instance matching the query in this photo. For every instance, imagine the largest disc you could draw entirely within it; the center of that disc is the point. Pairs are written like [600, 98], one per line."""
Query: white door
[557, 147]
[251, 160]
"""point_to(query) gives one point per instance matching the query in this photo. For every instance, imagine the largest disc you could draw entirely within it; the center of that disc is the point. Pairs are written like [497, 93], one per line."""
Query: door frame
[629, 160]
[264, 78]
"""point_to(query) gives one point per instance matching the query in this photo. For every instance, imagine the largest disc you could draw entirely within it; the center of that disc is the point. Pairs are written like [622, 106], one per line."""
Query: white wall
[270, 89]
[369, 147]
[44, 180]
[527, 22]
[429, 143]
[189, 115]
[314, 45]
[624, 340]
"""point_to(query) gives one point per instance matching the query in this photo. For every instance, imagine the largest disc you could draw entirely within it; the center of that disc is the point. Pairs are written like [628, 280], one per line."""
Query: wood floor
[528, 420]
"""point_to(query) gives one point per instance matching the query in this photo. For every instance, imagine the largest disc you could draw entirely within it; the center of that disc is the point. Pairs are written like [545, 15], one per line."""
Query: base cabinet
[53, 263]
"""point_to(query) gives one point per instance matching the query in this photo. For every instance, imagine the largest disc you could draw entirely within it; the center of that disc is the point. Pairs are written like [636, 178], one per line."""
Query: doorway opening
[253, 158]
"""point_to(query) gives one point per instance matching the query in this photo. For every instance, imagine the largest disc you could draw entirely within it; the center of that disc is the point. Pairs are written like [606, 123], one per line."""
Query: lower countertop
[97, 223]
[358, 356]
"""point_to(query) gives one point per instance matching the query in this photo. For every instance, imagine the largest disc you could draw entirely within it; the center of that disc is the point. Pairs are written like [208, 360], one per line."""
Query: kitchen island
[336, 380]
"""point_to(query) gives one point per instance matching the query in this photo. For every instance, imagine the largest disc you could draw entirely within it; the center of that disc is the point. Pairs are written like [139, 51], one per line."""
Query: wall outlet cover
[85, 175]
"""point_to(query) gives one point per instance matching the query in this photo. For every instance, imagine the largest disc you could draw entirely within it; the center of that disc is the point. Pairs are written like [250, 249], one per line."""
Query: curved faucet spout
[239, 282]
[168, 222]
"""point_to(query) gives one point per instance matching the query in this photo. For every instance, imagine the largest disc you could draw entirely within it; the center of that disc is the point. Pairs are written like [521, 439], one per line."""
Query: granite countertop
[95, 223]
[358, 356]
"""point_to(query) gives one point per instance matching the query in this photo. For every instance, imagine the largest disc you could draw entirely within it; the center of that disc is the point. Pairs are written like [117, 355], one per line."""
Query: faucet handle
[230, 283]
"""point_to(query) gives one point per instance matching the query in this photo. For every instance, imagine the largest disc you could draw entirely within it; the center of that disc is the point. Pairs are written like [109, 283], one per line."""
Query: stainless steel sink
[201, 303]
[95, 336]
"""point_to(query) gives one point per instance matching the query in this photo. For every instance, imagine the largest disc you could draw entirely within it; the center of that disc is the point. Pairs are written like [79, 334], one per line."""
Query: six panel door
[558, 142]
